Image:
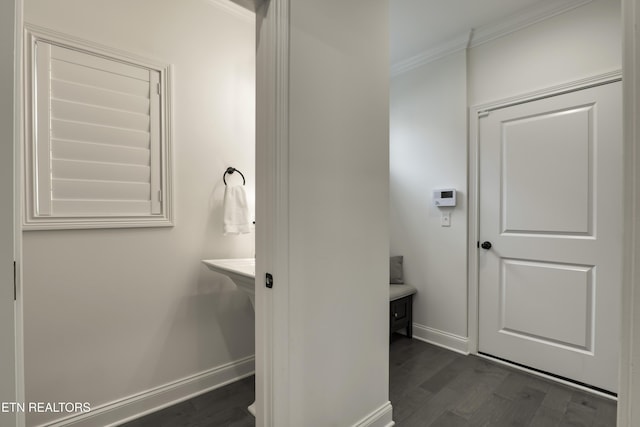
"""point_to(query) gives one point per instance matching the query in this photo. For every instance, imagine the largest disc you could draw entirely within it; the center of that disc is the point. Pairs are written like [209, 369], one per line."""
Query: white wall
[581, 43]
[429, 151]
[428, 143]
[111, 313]
[338, 212]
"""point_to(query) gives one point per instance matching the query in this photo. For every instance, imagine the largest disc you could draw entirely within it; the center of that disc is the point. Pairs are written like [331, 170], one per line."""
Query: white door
[7, 330]
[551, 208]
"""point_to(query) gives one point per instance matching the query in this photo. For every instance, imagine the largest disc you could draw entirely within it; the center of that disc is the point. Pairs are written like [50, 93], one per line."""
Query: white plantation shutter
[97, 147]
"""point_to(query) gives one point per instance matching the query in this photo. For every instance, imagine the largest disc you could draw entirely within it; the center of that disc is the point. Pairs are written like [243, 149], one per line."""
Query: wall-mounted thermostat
[446, 197]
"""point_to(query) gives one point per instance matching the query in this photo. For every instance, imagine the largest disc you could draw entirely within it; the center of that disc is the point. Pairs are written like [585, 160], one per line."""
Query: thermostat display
[446, 197]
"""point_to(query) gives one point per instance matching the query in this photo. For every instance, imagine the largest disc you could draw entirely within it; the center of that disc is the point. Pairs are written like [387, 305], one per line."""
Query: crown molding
[519, 21]
[234, 9]
[487, 33]
[447, 48]
[252, 5]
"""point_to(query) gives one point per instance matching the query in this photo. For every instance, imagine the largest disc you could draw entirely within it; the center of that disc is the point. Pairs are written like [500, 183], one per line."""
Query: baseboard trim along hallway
[138, 405]
[381, 417]
[440, 338]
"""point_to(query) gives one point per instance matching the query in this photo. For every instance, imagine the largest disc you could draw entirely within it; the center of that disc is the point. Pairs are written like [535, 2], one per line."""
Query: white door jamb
[272, 214]
[629, 389]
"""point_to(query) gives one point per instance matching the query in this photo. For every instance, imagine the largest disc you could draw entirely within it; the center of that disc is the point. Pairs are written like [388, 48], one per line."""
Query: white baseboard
[136, 406]
[381, 417]
[441, 339]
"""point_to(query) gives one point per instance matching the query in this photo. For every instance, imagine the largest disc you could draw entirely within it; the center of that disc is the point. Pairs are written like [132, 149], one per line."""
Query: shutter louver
[99, 146]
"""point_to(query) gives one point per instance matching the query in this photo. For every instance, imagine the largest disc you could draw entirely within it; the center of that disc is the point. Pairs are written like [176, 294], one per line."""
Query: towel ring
[229, 171]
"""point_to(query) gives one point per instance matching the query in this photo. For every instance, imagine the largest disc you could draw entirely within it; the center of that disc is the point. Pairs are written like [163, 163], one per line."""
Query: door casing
[12, 190]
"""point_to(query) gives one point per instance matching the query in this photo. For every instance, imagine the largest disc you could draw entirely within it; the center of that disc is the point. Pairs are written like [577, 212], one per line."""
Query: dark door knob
[486, 245]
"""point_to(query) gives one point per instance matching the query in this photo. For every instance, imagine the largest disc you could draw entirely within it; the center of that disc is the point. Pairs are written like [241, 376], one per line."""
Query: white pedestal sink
[243, 273]
[241, 270]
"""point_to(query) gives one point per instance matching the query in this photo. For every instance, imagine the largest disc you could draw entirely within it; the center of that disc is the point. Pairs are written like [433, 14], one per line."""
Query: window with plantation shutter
[98, 152]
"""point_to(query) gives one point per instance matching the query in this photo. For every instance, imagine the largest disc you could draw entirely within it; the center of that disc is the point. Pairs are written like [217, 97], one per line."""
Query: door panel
[551, 205]
[529, 289]
[540, 196]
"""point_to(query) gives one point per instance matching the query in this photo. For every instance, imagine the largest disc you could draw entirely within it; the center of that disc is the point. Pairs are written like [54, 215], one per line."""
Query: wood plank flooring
[433, 387]
[429, 387]
[226, 406]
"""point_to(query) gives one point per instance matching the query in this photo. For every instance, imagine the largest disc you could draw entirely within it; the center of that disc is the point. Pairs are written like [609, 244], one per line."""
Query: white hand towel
[236, 210]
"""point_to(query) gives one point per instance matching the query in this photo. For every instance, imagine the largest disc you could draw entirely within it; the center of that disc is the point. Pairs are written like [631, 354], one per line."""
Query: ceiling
[417, 26]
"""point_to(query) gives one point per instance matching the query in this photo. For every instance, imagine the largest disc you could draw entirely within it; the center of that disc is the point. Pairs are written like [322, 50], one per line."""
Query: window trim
[31, 219]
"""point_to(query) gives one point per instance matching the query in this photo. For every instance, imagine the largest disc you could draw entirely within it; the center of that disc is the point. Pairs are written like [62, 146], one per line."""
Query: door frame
[18, 204]
[630, 327]
[476, 113]
[16, 197]
[272, 213]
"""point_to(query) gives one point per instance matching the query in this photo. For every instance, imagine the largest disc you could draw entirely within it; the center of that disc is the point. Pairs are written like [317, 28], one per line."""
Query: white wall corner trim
[234, 9]
[487, 33]
[381, 417]
[18, 135]
[138, 405]
[440, 338]
[629, 378]
[272, 204]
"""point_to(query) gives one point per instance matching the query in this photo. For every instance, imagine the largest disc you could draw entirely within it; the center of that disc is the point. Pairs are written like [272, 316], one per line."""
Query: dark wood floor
[429, 387]
[226, 406]
[433, 387]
